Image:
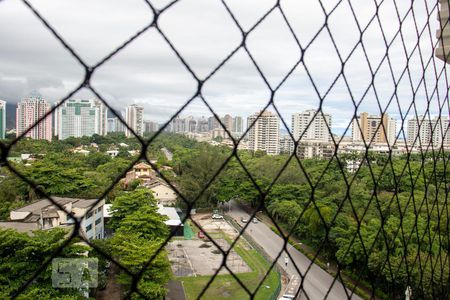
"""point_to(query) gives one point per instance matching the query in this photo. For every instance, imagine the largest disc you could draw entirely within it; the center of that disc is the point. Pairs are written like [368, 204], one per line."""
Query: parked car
[217, 216]
[201, 235]
[255, 220]
[244, 220]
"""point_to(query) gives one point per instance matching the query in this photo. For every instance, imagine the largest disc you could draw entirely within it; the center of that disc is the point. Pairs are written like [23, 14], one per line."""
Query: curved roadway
[317, 282]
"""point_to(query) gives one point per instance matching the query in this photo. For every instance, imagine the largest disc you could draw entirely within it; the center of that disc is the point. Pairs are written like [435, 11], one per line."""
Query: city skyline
[365, 124]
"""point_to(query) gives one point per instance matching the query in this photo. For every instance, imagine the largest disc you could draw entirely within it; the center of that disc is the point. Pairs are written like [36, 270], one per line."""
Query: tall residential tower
[264, 135]
[28, 112]
[77, 118]
[134, 116]
[310, 126]
[424, 132]
[375, 129]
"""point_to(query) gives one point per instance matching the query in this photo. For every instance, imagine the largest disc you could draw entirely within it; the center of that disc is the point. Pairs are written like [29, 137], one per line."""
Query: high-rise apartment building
[238, 125]
[191, 124]
[115, 125]
[310, 126]
[227, 121]
[213, 123]
[382, 129]
[2, 119]
[423, 132]
[264, 135]
[80, 117]
[202, 125]
[134, 116]
[103, 117]
[28, 112]
[150, 126]
[178, 125]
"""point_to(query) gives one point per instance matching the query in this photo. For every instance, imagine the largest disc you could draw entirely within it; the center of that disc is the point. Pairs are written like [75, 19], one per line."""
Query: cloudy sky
[149, 73]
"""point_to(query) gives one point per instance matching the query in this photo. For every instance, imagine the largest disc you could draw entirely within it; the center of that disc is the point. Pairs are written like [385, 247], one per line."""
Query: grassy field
[226, 287]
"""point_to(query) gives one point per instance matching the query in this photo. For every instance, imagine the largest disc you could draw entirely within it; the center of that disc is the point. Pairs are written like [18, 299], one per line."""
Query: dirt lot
[213, 226]
[198, 258]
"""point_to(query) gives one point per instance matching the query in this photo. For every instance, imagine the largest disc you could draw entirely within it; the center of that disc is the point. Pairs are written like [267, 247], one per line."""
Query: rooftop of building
[46, 205]
[19, 226]
[171, 213]
[142, 165]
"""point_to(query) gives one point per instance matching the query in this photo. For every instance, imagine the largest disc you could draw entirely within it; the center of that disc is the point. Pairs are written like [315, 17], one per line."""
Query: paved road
[317, 281]
[167, 153]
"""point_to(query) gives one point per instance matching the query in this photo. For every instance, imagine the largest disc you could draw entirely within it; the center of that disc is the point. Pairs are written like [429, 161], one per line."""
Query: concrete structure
[190, 124]
[238, 126]
[141, 171]
[423, 132]
[315, 149]
[286, 144]
[79, 117]
[112, 153]
[264, 134]
[227, 120]
[443, 33]
[173, 219]
[213, 123]
[115, 125]
[2, 119]
[28, 112]
[134, 116]
[310, 126]
[150, 126]
[182, 125]
[375, 129]
[202, 125]
[163, 193]
[43, 214]
[360, 148]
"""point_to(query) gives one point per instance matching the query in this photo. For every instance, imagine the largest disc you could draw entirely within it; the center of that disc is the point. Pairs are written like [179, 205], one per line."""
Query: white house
[163, 193]
[112, 153]
[43, 214]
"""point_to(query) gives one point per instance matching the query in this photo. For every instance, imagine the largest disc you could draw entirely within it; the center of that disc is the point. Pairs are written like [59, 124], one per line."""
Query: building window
[47, 222]
[89, 227]
[98, 221]
[89, 215]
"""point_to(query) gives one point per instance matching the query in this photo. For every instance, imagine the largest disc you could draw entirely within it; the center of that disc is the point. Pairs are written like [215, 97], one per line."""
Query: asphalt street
[317, 284]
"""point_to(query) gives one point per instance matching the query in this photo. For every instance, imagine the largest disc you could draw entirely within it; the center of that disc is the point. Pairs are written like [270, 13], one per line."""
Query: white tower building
[264, 135]
[134, 116]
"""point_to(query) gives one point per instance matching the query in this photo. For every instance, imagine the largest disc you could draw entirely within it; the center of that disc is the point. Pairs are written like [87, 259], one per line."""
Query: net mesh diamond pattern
[425, 268]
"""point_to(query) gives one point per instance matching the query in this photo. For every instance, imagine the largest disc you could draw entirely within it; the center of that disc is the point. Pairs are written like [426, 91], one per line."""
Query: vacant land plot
[195, 261]
[226, 287]
[199, 258]
[215, 225]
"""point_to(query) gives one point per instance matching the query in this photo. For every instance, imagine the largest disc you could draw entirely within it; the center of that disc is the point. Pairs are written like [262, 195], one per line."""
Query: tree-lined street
[317, 282]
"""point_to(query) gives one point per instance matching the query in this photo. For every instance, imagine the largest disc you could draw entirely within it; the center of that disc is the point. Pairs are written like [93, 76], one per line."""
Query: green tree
[139, 233]
[22, 254]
